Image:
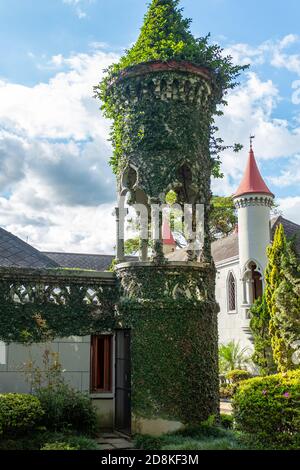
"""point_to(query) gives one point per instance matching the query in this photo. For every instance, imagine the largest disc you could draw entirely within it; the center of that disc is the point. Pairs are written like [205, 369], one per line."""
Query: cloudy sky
[56, 188]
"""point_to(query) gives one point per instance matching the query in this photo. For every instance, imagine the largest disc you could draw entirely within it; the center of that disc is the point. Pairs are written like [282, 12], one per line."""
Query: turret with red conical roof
[253, 201]
[252, 181]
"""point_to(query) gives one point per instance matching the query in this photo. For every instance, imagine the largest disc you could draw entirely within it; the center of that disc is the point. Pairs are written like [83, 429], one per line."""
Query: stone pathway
[113, 441]
[226, 407]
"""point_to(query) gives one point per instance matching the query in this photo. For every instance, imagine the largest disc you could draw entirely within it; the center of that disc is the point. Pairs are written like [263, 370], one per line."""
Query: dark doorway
[123, 382]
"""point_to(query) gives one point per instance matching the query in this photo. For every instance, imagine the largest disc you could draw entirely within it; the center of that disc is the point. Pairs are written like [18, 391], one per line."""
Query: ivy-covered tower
[162, 97]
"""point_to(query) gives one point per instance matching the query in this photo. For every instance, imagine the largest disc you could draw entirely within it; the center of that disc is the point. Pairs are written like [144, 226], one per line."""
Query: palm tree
[232, 356]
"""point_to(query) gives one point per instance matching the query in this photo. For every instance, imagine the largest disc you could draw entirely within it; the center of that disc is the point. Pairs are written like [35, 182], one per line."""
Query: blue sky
[55, 185]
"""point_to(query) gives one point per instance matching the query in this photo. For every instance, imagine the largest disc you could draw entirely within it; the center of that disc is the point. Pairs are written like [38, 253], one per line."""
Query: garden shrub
[237, 375]
[58, 446]
[226, 421]
[267, 409]
[66, 408]
[227, 391]
[147, 442]
[19, 414]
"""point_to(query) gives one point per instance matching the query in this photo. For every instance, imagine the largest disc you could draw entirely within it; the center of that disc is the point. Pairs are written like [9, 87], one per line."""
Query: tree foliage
[232, 357]
[286, 313]
[263, 354]
[223, 217]
[276, 317]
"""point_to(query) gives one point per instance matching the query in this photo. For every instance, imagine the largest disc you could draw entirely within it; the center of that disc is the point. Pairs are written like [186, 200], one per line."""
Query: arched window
[231, 292]
[253, 282]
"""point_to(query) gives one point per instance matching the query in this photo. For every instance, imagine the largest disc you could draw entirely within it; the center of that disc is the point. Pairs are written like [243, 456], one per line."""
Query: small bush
[227, 392]
[267, 410]
[66, 408]
[226, 421]
[19, 414]
[58, 446]
[146, 442]
[237, 375]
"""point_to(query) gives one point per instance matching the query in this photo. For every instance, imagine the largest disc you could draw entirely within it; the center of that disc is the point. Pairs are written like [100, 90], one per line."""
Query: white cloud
[250, 110]
[290, 176]
[57, 188]
[77, 4]
[55, 179]
[273, 52]
[290, 208]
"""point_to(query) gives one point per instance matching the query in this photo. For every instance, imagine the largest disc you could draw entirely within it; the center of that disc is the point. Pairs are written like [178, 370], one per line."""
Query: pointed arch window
[231, 292]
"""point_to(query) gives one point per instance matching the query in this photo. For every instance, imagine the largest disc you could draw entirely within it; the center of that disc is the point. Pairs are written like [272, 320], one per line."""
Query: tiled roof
[14, 252]
[83, 261]
[290, 229]
[228, 247]
[225, 248]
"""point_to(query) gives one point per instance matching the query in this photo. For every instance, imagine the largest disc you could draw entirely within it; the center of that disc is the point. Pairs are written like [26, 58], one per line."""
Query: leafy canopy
[165, 35]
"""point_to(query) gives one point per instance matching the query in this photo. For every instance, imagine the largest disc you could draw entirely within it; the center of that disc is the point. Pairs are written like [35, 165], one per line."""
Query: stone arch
[253, 281]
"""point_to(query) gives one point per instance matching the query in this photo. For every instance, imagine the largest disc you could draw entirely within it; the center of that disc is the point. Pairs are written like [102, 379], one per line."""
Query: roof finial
[252, 137]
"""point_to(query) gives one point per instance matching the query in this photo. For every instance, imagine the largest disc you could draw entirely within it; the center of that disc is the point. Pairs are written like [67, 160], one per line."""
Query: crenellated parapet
[178, 81]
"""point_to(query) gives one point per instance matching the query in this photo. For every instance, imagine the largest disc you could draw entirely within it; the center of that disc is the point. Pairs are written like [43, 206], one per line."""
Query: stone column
[119, 237]
[157, 222]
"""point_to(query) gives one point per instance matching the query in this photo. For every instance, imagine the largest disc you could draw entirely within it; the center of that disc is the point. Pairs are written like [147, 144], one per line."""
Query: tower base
[172, 314]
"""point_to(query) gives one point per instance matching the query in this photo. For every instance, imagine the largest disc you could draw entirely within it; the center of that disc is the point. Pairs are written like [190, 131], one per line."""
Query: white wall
[231, 325]
[254, 234]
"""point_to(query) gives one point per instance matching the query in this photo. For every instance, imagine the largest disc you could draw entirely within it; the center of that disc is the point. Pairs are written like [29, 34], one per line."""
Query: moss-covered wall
[172, 313]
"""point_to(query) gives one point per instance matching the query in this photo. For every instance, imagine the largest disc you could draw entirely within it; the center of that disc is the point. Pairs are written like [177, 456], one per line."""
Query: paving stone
[122, 445]
[105, 447]
[116, 440]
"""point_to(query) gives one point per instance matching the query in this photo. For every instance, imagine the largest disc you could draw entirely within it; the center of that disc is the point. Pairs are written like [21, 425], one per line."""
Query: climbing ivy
[173, 319]
[165, 36]
[38, 310]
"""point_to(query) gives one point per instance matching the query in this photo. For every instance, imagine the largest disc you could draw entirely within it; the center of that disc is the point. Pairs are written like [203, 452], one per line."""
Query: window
[231, 290]
[101, 364]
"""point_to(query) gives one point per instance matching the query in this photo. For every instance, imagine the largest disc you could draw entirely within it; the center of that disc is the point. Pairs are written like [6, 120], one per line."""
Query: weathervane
[252, 137]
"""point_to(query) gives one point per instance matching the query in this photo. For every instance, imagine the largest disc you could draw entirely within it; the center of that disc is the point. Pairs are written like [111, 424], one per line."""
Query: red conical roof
[167, 235]
[252, 181]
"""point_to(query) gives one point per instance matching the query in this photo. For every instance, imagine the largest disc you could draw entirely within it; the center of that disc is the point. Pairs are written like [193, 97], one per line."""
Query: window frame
[231, 277]
[108, 379]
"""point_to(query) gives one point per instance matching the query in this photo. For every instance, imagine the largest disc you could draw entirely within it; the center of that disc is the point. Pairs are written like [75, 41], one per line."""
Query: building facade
[241, 257]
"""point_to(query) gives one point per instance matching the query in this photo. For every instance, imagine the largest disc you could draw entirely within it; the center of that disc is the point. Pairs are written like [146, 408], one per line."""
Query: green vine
[165, 36]
[33, 311]
[174, 356]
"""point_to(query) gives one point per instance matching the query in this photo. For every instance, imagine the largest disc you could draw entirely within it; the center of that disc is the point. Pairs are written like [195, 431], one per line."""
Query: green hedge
[69, 409]
[237, 375]
[19, 414]
[267, 409]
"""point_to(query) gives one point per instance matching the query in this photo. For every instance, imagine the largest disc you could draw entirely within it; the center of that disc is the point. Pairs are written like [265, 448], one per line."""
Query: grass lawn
[203, 437]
